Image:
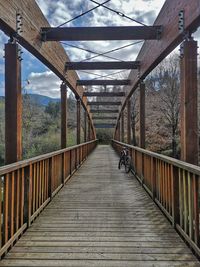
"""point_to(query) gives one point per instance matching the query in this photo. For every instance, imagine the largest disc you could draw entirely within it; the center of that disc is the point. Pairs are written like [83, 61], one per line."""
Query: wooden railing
[173, 185]
[28, 186]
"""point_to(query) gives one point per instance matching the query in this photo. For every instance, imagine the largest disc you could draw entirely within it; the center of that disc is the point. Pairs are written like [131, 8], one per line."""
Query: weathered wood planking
[52, 54]
[154, 51]
[102, 217]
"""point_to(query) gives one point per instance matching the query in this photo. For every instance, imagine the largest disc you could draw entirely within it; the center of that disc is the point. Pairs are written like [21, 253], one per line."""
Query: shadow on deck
[102, 217]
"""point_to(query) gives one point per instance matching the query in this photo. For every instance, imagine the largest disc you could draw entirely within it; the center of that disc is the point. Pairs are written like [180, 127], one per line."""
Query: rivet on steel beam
[181, 21]
[181, 51]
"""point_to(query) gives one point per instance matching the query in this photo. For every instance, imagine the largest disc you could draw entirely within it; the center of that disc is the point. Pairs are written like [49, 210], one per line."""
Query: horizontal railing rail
[173, 185]
[29, 185]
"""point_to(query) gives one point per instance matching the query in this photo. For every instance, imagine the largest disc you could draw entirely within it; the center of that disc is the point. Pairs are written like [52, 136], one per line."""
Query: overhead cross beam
[102, 82]
[104, 118]
[104, 111]
[102, 103]
[104, 94]
[104, 125]
[101, 33]
[102, 65]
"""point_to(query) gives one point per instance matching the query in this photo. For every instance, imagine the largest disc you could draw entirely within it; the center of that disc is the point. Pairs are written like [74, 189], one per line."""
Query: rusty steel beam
[101, 33]
[104, 94]
[52, 54]
[122, 126]
[102, 82]
[85, 126]
[63, 90]
[13, 104]
[106, 103]
[78, 119]
[189, 106]
[104, 125]
[128, 121]
[142, 115]
[104, 111]
[102, 65]
[104, 118]
[154, 51]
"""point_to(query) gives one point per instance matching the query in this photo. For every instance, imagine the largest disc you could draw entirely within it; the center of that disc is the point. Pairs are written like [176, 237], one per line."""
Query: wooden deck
[102, 217]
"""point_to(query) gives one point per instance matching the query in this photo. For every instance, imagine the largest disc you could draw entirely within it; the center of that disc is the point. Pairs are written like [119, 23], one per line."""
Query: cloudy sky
[42, 80]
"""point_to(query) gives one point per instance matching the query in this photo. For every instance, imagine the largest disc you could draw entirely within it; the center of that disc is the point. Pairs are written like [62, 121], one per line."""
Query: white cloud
[60, 11]
[45, 83]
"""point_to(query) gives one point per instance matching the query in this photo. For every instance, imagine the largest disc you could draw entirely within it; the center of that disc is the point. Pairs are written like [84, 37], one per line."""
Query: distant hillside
[40, 100]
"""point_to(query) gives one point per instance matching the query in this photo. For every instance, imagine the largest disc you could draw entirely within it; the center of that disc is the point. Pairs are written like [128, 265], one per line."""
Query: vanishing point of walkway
[102, 217]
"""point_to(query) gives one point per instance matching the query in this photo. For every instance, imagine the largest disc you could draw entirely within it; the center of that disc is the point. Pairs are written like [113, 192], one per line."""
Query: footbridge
[73, 206]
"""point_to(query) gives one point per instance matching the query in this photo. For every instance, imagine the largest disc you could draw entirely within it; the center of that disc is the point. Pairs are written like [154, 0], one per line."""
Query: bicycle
[125, 160]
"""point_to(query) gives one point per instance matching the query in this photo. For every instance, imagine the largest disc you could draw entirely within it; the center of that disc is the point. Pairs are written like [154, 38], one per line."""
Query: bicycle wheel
[120, 163]
[128, 164]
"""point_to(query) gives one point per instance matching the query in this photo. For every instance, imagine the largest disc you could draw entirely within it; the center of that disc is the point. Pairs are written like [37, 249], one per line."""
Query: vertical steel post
[78, 133]
[63, 115]
[13, 104]
[89, 129]
[85, 126]
[128, 121]
[142, 115]
[122, 126]
[189, 110]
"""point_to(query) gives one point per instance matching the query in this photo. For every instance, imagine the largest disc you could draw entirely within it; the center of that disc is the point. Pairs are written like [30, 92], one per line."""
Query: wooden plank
[102, 65]
[104, 94]
[101, 33]
[97, 263]
[103, 218]
[102, 82]
[97, 256]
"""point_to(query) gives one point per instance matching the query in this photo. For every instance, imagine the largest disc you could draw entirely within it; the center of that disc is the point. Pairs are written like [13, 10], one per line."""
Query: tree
[134, 117]
[164, 93]
[53, 109]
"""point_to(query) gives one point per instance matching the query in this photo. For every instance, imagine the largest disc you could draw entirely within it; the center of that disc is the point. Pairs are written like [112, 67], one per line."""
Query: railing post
[153, 178]
[27, 194]
[196, 208]
[50, 177]
[70, 162]
[63, 168]
[175, 196]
